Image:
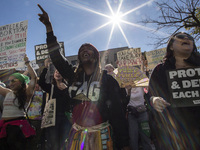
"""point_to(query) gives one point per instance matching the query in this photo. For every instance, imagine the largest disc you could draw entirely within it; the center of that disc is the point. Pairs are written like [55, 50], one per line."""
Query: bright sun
[116, 19]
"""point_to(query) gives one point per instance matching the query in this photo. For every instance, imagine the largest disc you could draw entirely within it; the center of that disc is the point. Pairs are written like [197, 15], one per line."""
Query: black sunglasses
[182, 36]
[13, 80]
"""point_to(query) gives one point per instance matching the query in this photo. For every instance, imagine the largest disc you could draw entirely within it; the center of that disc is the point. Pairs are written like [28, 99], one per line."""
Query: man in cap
[97, 115]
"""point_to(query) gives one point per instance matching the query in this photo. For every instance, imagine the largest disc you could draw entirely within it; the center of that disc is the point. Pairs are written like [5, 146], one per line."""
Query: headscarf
[21, 77]
[96, 52]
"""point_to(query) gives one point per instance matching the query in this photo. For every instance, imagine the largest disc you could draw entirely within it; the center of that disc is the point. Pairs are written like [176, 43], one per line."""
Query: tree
[177, 15]
[195, 30]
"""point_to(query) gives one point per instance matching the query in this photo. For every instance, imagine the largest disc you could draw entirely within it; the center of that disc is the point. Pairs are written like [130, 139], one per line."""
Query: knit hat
[96, 52]
[21, 77]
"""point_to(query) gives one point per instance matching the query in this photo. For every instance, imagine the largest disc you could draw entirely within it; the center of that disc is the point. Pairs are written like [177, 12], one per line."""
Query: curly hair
[21, 96]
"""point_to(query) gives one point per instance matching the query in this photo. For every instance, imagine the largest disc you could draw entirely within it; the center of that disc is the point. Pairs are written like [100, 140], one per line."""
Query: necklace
[88, 84]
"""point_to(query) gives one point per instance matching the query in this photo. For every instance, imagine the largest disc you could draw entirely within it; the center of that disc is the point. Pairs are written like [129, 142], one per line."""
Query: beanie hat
[21, 77]
[96, 52]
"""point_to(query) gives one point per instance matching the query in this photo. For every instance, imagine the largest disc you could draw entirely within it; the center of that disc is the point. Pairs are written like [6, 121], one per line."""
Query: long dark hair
[21, 96]
[169, 52]
[79, 69]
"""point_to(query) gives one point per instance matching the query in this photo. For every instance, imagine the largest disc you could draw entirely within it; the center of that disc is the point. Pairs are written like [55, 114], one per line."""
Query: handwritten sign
[13, 45]
[155, 57]
[184, 86]
[130, 75]
[130, 57]
[41, 52]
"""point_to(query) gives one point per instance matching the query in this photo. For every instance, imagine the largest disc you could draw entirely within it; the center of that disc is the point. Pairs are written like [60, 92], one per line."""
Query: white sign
[13, 45]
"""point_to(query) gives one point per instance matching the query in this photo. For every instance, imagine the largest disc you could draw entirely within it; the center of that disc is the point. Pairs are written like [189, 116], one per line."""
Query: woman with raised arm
[98, 119]
[14, 127]
[58, 133]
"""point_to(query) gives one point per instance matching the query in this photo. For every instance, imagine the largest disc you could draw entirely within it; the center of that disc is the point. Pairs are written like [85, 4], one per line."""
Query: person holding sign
[175, 126]
[14, 127]
[97, 112]
[57, 131]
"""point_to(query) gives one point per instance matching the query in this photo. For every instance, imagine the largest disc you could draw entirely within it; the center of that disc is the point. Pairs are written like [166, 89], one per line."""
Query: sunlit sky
[79, 21]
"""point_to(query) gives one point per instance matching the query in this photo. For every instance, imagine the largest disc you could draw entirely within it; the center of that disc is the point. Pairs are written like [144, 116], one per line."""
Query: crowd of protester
[91, 111]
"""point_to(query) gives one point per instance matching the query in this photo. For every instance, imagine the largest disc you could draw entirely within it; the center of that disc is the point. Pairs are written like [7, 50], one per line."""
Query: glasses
[13, 80]
[183, 36]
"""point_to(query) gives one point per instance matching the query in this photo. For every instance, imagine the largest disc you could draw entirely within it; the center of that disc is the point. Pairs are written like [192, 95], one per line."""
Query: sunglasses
[183, 36]
[13, 80]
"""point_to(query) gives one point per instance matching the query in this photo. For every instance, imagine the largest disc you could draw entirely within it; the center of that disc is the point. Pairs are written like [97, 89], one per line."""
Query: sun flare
[116, 19]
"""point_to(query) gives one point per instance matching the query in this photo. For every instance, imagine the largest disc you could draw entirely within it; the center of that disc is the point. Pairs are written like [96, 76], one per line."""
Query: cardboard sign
[13, 45]
[184, 87]
[130, 75]
[155, 57]
[131, 57]
[41, 52]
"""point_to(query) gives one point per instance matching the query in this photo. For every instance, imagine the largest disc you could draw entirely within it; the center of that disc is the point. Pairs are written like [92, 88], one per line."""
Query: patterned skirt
[97, 137]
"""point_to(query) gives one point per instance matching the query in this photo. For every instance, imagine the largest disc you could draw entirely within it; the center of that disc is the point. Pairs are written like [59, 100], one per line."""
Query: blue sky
[76, 22]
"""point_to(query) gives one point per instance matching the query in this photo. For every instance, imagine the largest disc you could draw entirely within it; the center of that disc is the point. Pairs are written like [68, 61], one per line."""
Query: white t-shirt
[10, 108]
[137, 97]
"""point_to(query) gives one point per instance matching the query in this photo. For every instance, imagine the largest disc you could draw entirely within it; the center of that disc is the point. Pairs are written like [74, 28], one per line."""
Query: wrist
[27, 62]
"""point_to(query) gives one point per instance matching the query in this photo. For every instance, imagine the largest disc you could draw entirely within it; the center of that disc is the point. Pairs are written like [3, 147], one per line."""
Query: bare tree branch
[177, 15]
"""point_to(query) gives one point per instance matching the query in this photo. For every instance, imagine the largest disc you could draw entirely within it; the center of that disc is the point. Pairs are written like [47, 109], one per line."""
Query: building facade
[107, 57]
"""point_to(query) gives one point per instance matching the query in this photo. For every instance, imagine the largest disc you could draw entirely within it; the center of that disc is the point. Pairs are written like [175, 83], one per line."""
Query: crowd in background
[88, 110]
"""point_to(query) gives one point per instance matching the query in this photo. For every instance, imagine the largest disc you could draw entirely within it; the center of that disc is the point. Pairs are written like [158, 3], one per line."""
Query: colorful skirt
[97, 137]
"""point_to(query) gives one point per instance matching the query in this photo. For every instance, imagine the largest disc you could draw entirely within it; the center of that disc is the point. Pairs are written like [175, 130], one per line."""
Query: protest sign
[130, 57]
[127, 72]
[155, 57]
[184, 87]
[41, 52]
[13, 45]
[130, 75]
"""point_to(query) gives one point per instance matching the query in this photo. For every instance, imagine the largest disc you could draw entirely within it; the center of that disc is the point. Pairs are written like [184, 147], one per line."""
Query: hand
[47, 62]
[25, 58]
[159, 103]
[62, 86]
[44, 18]
[128, 87]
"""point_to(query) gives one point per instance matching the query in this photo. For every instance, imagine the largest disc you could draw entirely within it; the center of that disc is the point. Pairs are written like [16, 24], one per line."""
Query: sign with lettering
[131, 75]
[13, 45]
[41, 52]
[184, 87]
[155, 57]
[130, 57]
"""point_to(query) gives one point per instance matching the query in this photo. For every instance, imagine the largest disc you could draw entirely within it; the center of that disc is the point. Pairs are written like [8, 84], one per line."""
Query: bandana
[21, 77]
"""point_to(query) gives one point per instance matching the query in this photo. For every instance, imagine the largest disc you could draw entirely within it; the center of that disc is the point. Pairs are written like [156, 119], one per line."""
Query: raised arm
[31, 71]
[4, 91]
[44, 18]
[58, 60]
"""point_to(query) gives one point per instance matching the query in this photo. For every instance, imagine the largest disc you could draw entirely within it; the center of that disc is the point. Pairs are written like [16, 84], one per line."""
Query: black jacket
[62, 96]
[104, 95]
[183, 122]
